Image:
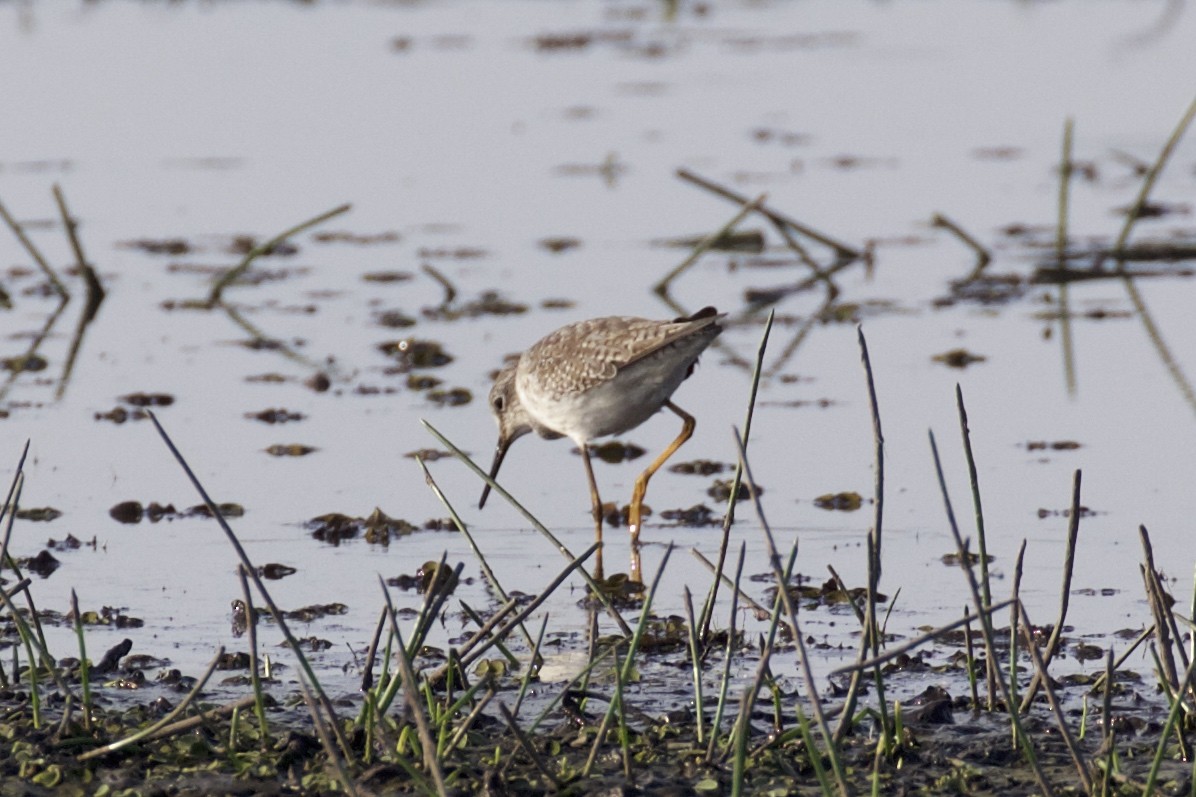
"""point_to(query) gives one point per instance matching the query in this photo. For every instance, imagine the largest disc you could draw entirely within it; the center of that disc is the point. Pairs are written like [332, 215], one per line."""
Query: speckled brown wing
[581, 356]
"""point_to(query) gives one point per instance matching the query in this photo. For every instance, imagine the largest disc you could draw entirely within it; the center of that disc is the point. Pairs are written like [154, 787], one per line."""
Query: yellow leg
[641, 484]
[596, 508]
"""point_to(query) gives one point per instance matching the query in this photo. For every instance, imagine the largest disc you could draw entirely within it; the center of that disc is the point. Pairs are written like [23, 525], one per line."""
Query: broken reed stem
[970, 653]
[259, 697]
[146, 733]
[1018, 565]
[533, 668]
[743, 596]
[1040, 667]
[320, 725]
[872, 638]
[1069, 563]
[974, 480]
[528, 748]
[625, 673]
[1065, 170]
[986, 623]
[409, 685]
[450, 291]
[805, 257]
[894, 652]
[766, 648]
[434, 599]
[1155, 595]
[737, 481]
[200, 720]
[371, 654]
[474, 654]
[774, 559]
[1148, 183]
[464, 530]
[217, 292]
[536, 524]
[695, 660]
[258, 584]
[725, 684]
[35, 254]
[95, 290]
[748, 207]
[30, 631]
[983, 258]
[842, 250]
[84, 665]
[1177, 706]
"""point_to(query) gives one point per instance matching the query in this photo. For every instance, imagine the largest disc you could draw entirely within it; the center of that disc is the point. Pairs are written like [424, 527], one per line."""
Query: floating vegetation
[42, 514]
[843, 502]
[133, 512]
[379, 528]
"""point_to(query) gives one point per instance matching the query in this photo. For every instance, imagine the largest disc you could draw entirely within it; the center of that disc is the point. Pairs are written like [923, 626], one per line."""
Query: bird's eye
[498, 403]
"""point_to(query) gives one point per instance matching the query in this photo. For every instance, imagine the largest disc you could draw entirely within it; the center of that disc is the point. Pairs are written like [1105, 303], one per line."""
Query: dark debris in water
[43, 514]
[141, 399]
[1052, 445]
[828, 593]
[952, 559]
[699, 467]
[43, 564]
[70, 543]
[422, 382]
[843, 502]
[615, 451]
[454, 397]
[985, 289]
[379, 528]
[388, 276]
[275, 571]
[410, 353]
[290, 450]
[29, 364]
[158, 246]
[393, 319]
[560, 244]
[721, 490]
[489, 303]
[1046, 513]
[429, 575]
[429, 454]
[958, 358]
[278, 415]
[119, 415]
[743, 241]
[697, 516]
[133, 512]
[356, 239]
[458, 253]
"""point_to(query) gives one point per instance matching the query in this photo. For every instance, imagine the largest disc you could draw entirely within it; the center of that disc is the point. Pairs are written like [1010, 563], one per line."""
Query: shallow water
[460, 129]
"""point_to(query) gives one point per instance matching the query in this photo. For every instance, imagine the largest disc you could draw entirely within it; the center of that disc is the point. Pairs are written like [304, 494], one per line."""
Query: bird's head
[511, 417]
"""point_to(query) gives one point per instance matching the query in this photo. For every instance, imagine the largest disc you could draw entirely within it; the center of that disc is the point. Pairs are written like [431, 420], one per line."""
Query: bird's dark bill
[499, 453]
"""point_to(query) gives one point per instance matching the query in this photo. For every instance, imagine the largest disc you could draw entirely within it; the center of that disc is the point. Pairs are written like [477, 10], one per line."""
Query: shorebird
[600, 377]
